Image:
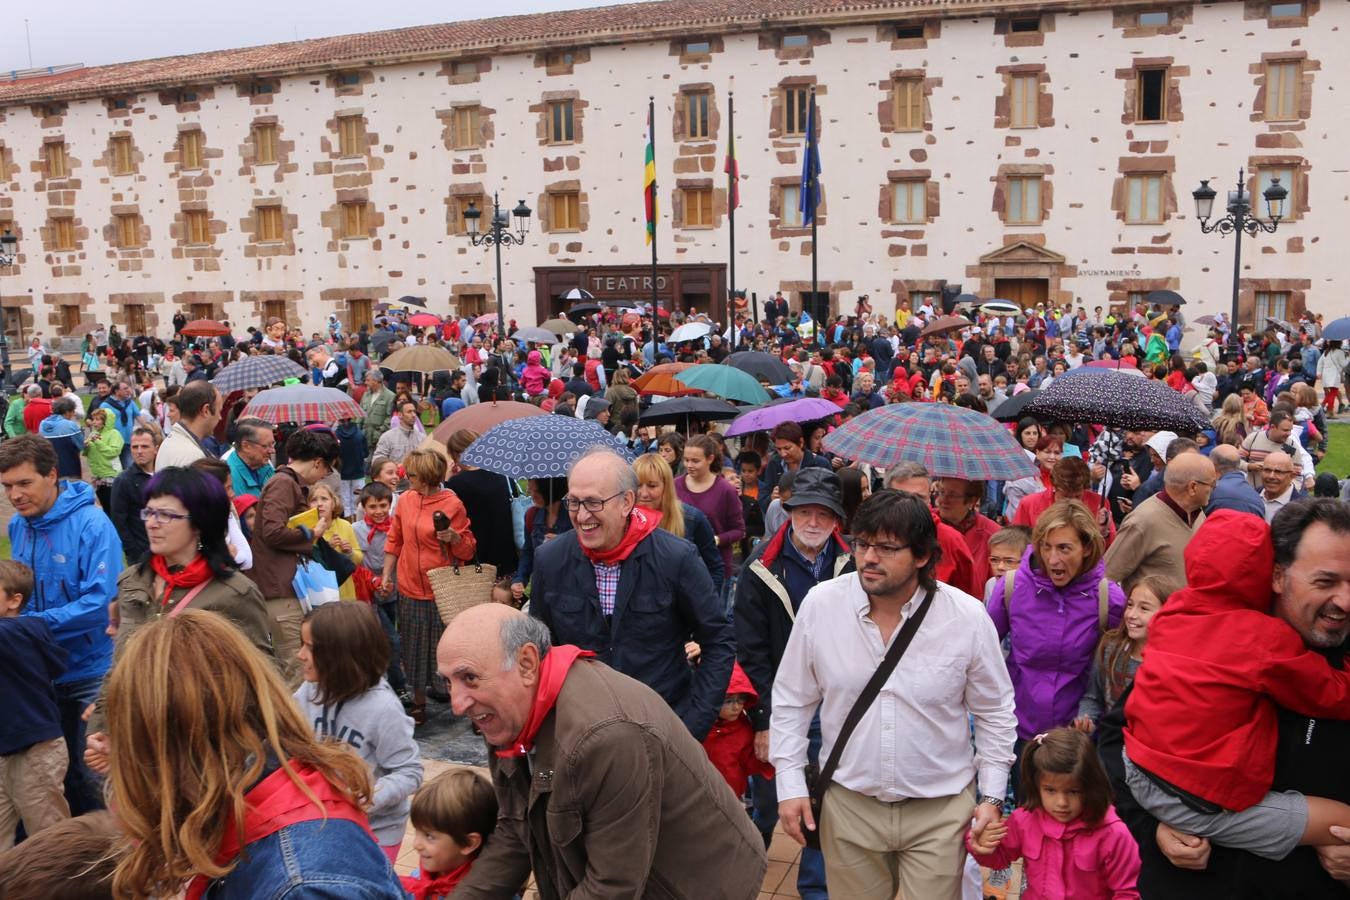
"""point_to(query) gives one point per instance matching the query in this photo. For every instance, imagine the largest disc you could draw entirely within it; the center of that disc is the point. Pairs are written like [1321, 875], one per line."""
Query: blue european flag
[810, 187]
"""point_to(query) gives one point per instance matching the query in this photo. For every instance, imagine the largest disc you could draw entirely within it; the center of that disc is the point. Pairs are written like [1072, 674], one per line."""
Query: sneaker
[406, 698]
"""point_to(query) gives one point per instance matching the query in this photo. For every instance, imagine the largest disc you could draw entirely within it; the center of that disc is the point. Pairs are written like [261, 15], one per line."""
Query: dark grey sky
[95, 32]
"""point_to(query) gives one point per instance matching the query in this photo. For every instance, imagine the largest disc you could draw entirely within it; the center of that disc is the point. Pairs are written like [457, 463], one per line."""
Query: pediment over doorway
[1022, 253]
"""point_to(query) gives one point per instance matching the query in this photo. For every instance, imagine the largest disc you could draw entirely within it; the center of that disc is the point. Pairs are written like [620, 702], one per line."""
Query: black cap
[815, 486]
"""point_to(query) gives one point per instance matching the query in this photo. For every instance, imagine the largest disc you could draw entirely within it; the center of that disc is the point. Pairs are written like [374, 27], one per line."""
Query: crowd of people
[1125, 671]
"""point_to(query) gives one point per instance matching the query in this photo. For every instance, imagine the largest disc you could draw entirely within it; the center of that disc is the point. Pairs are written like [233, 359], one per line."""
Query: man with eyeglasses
[896, 810]
[1277, 483]
[633, 593]
[1153, 538]
[251, 462]
[76, 555]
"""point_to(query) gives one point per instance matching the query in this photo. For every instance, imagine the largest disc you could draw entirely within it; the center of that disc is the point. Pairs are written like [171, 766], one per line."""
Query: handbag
[458, 587]
[818, 782]
[314, 585]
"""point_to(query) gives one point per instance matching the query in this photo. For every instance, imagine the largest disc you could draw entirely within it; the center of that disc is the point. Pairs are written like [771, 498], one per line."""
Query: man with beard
[808, 549]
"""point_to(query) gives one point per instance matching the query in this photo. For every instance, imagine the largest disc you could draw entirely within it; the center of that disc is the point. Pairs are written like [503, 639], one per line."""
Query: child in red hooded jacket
[731, 742]
[1201, 723]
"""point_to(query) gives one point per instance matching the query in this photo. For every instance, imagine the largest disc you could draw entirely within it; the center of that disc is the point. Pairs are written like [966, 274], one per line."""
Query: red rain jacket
[731, 745]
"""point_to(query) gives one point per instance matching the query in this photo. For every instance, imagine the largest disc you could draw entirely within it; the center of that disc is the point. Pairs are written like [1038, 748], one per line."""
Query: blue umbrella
[539, 446]
[1338, 330]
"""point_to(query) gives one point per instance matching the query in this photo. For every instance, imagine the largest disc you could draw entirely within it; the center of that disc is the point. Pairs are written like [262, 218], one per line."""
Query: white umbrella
[690, 331]
[578, 294]
[1000, 308]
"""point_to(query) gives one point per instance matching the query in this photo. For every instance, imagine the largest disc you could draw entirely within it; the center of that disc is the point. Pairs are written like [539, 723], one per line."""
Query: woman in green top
[104, 449]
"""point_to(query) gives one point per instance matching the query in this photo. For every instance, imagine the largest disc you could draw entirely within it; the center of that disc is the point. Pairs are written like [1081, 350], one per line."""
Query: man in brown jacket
[601, 790]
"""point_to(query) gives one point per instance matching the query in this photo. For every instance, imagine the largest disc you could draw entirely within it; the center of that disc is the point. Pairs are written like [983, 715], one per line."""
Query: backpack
[1103, 599]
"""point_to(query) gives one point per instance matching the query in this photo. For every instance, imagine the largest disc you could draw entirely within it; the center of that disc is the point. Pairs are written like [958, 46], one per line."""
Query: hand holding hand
[988, 839]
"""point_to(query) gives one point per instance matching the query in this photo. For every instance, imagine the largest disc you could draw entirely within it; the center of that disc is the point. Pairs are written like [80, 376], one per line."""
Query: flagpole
[651, 138]
[815, 201]
[732, 188]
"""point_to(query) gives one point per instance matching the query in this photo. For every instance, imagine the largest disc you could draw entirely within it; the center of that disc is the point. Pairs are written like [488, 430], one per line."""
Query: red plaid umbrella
[302, 403]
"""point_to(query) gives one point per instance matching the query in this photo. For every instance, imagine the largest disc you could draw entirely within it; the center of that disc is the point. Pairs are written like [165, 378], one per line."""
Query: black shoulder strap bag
[817, 782]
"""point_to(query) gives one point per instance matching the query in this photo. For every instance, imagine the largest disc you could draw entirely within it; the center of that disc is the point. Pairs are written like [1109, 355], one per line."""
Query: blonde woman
[219, 782]
[656, 491]
[1230, 425]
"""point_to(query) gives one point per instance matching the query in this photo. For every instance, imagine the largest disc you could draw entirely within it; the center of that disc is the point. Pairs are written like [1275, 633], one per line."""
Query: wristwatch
[989, 798]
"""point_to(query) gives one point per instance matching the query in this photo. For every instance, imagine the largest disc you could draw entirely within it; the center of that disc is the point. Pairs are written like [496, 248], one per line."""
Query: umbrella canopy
[1000, 308]
[1286, 327]
[558, 326]
[578, 293]
[761, 365]
[484, 320]
[1205, 320]
[690, 331]
[410, 300]
[952, 442]
[204, 328]
[380, 341]
[1109, 363]
[539, 446]
[481, 417]
[420, 358]
[771, 415]
[582, 310]
[943, 324]
[1014, 407]
[1165, 298]
[257, 371]
[660, 381]
[302, 403]
[727, 382]
[535, 336]
[1116, 400]
[966, 298]
[424, 320]
[1337, 330]
[683, 410]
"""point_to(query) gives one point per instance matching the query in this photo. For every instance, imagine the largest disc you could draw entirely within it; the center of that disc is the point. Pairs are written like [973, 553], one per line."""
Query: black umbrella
[1165, 298]
[582, 310]
[578, 293]
[1117, 400]
[1011, 410]
[761, 365]
[683, 410]
[410, 300]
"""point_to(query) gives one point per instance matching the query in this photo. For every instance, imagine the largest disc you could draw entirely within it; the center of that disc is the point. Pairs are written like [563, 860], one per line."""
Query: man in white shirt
[198, 413]
[1277, 482]
[895, 813]
[402, 437]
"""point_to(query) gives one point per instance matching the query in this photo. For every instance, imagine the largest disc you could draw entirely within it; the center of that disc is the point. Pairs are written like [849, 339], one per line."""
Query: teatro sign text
[630, 284]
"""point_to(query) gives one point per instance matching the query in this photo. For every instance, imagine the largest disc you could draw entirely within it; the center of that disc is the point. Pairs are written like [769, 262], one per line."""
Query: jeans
[84, 789]
[811, 867]
[387, 611]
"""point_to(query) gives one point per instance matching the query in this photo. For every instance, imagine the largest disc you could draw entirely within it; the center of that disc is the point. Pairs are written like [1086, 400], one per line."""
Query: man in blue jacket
[76, 556]
[621, 586]
[1231, 488]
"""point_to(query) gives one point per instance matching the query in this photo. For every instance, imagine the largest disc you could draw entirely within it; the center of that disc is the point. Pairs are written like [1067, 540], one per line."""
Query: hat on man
[816, 487]
[1160, 442]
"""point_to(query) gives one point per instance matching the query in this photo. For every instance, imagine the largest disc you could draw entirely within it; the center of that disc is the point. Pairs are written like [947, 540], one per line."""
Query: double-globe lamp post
[9, 254]
[1238, 220]
[498, 233]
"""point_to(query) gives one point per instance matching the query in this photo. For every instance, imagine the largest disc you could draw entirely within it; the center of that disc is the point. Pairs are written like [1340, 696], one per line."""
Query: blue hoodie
[68, 440]
[76, 556]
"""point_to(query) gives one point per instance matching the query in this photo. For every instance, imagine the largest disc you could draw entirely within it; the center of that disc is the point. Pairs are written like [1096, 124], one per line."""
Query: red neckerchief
[426, 887]
[384, 526]
[641, 522]
[552, 673]
[276, 803]
[194, 573]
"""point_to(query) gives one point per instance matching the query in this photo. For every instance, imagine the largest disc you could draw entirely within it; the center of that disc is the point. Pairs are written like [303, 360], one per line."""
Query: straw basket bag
[458, 587]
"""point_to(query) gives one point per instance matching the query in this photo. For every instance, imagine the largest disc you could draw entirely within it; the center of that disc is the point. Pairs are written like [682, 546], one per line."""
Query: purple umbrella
[771, 415]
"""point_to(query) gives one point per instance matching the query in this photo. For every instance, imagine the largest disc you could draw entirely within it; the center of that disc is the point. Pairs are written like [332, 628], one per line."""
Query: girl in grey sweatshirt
[344, 653]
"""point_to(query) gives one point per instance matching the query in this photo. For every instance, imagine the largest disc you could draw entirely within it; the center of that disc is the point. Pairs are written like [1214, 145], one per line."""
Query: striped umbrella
[259, 371]
[951, 441]
[302, 403]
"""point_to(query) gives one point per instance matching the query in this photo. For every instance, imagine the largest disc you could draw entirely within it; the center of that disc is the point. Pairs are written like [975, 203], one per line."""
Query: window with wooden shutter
[274, 309]
[1024, 200]
[135, 316]
[1025, 101]
[201, 311]
[57, 165]
[121, 155]
[63, 233]
[190, 148]
[698, 207]
[790, 201]
[1283, 80]
[1151, 95]
[464, 124]
[561, 127]
[1144, 202]
[909, 104]
[565, 211]
[795, 100]
[269, 223]
[350, 136]
[354, 219]
[70, 318]
[1272, 304]
[909, 201]
[696, 107]
[471, 306]
[129, 231]
[265, 143]
[196, 227]
[360, 312]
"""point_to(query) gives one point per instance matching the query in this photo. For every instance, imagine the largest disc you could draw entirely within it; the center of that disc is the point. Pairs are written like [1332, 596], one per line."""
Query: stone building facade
[1034, 152]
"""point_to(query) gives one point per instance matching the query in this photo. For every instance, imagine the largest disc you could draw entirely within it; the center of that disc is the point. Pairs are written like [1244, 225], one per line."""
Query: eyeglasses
[591, 504]
[1278, 471]
[162, 516]
[1208, 484]
[884, 551]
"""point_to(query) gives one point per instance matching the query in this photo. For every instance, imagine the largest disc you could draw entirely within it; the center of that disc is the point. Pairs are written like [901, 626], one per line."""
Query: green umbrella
[727, 382]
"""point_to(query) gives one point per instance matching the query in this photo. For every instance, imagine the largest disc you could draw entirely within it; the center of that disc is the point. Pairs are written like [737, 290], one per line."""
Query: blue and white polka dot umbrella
[539, 446]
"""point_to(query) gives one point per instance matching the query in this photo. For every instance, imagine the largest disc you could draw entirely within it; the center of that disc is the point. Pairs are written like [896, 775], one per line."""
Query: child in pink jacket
[1072, 844]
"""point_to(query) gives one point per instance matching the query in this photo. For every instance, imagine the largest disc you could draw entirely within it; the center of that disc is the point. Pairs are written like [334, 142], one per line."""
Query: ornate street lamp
[9, 254]
[1239, 220]
[498, 233]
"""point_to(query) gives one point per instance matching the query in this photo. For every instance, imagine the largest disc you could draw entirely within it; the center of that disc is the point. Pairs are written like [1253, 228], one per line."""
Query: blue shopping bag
[314, 585]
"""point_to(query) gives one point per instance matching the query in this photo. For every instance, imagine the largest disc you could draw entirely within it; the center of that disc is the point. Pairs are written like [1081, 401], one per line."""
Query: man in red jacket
[35, 408]
[956, 567]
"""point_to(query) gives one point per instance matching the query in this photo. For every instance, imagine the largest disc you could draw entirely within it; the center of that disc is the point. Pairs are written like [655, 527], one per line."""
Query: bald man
[1278, 490]
[1154, 536]
[1232, 490]
[601, 790]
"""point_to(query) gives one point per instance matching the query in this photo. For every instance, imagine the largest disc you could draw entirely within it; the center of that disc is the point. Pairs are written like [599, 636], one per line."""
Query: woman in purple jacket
[703, 487]
[1054, 609]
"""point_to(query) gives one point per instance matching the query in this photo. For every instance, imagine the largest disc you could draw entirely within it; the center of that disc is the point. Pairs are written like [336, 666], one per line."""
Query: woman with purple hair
[189, 566]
